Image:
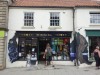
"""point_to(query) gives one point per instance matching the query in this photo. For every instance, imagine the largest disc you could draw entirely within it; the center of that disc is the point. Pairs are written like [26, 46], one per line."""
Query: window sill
[54, 27]
[94, 24]
[28, 27]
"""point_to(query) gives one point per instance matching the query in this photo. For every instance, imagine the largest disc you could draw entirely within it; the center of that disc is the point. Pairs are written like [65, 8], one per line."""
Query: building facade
[3, 31]
[61, 23]
[41, 32]
[88, 26]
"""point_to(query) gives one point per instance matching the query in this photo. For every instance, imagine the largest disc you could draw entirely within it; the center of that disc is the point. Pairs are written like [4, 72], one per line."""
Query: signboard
[44, 33]
[2, 33]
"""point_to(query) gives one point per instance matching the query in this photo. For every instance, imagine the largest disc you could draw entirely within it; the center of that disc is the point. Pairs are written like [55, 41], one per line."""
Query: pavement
[49, 70]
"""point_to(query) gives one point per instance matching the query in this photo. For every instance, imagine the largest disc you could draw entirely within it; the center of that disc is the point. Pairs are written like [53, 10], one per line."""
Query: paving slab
[49, 70]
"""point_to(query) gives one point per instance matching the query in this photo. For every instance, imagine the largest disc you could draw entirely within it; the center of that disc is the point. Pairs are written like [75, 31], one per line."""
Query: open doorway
[93, 42]
[42, 46]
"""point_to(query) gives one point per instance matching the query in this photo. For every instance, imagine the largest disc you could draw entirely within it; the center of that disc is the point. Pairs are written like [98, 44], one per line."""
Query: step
[63, 62]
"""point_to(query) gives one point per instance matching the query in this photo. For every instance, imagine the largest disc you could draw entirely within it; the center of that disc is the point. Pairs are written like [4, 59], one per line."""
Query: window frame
[29, 21]
[54, 19]
[94, 19]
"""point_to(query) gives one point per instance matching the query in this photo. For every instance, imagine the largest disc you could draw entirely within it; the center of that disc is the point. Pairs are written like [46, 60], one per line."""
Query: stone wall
[2, 63]
[3, 14]
[3, 27]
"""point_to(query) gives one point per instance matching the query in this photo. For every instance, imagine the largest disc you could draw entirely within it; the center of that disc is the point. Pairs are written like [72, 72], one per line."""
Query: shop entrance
[42, 46]
[93, 42]
[29, 41]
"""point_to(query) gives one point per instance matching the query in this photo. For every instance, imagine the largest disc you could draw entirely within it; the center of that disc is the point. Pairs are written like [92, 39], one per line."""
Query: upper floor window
[28, 18]
[54, 19]
[95, 18]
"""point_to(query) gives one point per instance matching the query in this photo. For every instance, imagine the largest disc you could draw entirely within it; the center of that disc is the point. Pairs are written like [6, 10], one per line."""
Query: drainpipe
[75, 42]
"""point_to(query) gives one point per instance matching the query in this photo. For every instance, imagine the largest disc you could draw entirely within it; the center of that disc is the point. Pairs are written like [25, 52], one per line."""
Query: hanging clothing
[13, 51]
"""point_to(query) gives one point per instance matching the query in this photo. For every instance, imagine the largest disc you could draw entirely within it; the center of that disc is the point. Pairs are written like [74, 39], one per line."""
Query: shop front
[94, 40]
[35, 42]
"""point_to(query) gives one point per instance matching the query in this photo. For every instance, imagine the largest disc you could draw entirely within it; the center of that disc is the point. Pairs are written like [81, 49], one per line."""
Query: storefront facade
[89, 31]
[31, 26]
[38, 39]
[35, 38]
[94, 40]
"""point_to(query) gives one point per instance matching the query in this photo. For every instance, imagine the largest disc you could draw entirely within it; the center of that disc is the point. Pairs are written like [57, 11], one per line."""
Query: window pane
[95, 18]
[28, 18]
[54, 19]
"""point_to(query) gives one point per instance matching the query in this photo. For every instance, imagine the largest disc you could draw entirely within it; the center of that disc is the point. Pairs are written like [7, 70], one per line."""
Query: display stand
[33, 57]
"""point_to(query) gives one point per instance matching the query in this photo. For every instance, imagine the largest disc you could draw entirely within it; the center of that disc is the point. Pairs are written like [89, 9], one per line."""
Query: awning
[92, 32]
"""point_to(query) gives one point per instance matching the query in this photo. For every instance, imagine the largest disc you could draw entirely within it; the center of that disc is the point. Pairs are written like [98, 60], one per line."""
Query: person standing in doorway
[97, 56]
[48, 54]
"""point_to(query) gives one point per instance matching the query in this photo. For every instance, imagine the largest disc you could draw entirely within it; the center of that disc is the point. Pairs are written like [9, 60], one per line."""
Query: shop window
[26, 45]
[28, 19]
[95, 18]
[54, 19]
[93, 42]
[60, 47]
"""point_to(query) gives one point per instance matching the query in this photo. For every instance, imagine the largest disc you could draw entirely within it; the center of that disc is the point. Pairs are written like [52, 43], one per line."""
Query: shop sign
[2, 33]
[44, 34]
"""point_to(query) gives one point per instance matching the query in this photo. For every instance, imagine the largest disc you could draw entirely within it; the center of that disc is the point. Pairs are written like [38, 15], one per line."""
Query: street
[49, 70]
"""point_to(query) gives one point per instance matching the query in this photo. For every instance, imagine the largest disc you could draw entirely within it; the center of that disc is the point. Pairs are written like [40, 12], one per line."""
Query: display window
[34, 42]
[60, 49]
[26, 45]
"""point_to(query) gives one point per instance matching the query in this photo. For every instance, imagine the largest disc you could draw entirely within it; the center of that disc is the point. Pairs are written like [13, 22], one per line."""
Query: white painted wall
[41, 19]
[82, 18]
[41, 23]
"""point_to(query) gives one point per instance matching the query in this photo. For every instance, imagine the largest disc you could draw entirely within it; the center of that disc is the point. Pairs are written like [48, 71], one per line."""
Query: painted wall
[41, 19]
[41, 23]
[82, 18]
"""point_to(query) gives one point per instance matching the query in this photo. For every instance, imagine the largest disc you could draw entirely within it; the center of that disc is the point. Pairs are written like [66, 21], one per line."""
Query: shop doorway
[93, 42]
[42, 46]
